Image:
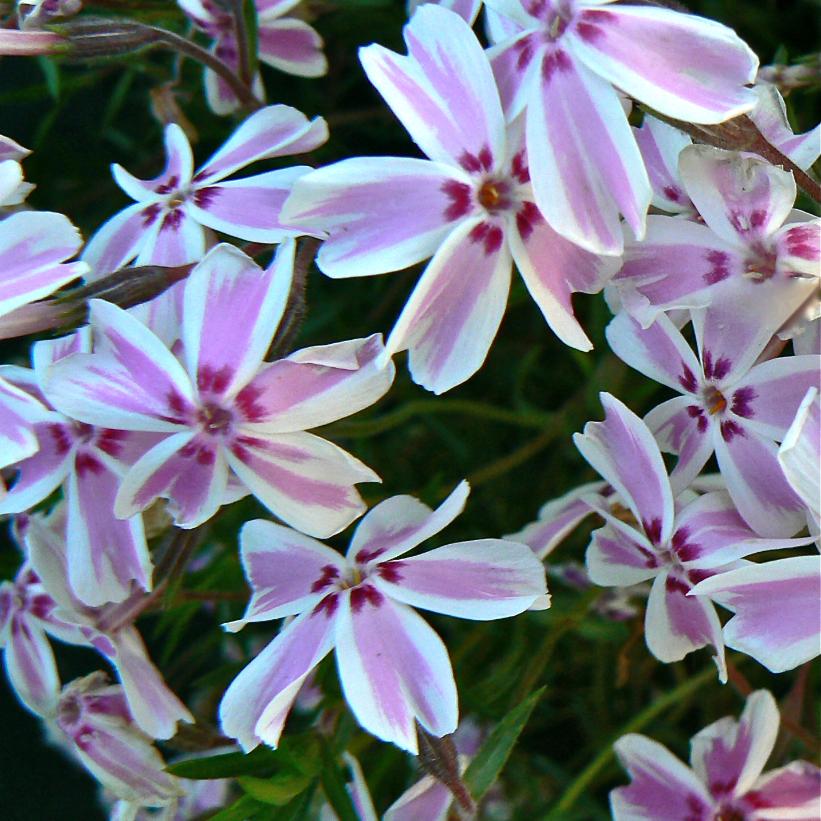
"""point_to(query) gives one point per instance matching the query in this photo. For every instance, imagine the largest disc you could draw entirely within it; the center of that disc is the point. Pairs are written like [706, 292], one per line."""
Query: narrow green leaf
[227, 765]
[333, 785]
[243, 809]
[493, 754]
[278, 790]
[51, 73]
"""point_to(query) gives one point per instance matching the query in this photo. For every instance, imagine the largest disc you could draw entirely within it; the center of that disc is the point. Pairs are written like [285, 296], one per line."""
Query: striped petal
[394, 669]
[584, 162]
[231, 310]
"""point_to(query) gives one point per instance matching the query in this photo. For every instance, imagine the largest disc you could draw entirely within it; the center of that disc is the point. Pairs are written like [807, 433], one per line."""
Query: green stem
[588, 775]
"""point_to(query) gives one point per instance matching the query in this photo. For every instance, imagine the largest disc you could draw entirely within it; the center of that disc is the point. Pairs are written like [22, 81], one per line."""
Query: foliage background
[508, 430]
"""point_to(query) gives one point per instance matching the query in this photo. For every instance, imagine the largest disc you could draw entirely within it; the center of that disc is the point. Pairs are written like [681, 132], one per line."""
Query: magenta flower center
[214, 419]
[714, 400]
[494, 196]
[760, 263]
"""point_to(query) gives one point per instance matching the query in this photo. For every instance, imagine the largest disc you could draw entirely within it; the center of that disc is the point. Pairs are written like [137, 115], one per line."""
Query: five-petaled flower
[470, 206]
[393, 667]
[167, 225]
[225, 409]
[676, 545]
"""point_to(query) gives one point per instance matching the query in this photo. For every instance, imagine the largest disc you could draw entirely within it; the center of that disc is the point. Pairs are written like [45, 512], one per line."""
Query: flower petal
[749, 465]
[676, 624]
[729, 755]
[443, 91]
[274, 131]
[673, 266]
[659, 352]
[660, 145]
[316, 386]
[248, 207]
[255, 706]
[33, 245]
[130, 382]
[105, 554]
[679, 64]
[177, 174]
[289, 573]
[231, 310]
[428, 798]
[623, 451]
[455, 310]
[304, 480]
[18, 412]
[770, 117]
[30, 665]
[381, 213]
[776, 610]
[483, 579]
[396, 525]
[553, 270]
[743, 198]
[710, 532]
[778, 388]
[618, 556]
[662, 786]
[799, 454]
[584, 162]
[788, 792]
[188, 470]
[291, 45]
[394, 669]
[116, 242]
[154, 707]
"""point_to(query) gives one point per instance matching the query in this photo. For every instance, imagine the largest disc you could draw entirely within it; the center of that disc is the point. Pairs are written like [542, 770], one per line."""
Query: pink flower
[752, 248]
[104, 554]
[223, 410]
[729, 406]
[470, 206]
[394, 669]
[166, 226]
[559, 68]
[285, 43]
[726, 780]
[675, 545]
[94, 722]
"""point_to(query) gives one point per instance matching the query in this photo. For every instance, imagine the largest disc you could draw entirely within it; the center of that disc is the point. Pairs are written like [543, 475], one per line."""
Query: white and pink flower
[394, 669]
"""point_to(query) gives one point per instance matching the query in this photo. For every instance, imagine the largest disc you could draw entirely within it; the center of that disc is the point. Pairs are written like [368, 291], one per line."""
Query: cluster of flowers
[530, 160]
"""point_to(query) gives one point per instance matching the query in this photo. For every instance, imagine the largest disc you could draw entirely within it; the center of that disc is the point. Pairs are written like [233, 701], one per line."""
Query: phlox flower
[725, 780]
[800, 453]
[223, 410]
[729, 406]
[93, 722]
[17, 437]
[33, 248]
[394, 669]
[470, 206]
[167, 224]
[751, 248]
[105, 554]
[285, 43]
[40, 604]
[559, 67]
[676, 545]
[13, 190]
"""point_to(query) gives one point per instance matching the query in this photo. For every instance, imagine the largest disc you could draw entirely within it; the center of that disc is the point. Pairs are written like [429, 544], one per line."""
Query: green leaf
[51, 73]
[298, 755]
[243, 809]
[278, 790]
[333, 784]
[493, 754]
